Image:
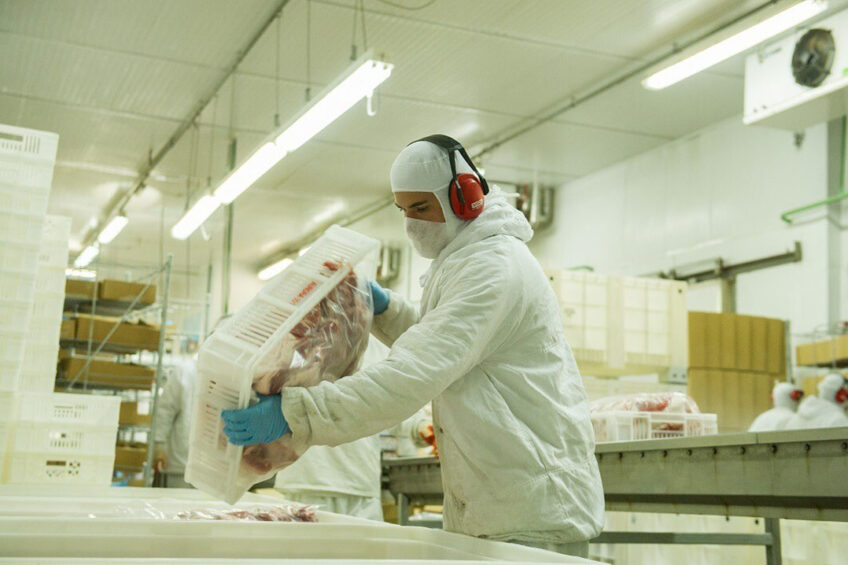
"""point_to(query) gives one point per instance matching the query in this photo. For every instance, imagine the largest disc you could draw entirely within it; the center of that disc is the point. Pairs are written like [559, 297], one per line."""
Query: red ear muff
[796, 395]
[841, 395]
[467, 197]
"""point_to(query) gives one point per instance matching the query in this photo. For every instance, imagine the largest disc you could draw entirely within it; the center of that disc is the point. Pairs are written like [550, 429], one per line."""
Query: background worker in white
[487, 347]
[785, 398]
[172, 424]
[827, 410]
[346, 479]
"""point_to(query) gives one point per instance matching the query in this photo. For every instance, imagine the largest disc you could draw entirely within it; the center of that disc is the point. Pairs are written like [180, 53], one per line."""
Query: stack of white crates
[41, 347]
[26, 173]
[620, 325]
[44, 437]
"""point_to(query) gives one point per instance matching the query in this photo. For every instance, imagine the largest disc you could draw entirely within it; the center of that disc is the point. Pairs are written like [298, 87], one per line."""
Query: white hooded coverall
[172, 423]
[821, 411]
[509, 410]
[776, 418]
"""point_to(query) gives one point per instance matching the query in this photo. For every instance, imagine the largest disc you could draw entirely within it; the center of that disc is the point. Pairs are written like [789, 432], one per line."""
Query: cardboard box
[129, 415]
[810, 385]
[759, 344]
[823, 353]
[80, 289]
[775, 347]
[712, 347]
[130, 336]
[743, 343]
[108, 373]
[126, 291]
[727, 341]
[133, 457]
[736, 397]
[697, 339]
[68, 328]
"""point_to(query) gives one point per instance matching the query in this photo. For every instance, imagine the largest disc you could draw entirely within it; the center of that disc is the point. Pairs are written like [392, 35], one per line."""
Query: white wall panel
[717, 193]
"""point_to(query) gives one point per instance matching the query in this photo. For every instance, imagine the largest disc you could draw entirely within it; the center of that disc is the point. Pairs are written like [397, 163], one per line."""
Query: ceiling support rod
[120, 199]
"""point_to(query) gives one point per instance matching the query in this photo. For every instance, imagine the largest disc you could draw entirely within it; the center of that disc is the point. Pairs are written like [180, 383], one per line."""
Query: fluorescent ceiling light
[80, 274]
[302, 252]
[112, 229]
[335, 101]
[735, 44]
[356, 83]
[195, 216]
[87, 256]
[275, 269]
[240, 179]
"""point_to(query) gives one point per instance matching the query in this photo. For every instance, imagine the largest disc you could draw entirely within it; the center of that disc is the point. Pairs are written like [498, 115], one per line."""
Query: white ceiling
[116, 77]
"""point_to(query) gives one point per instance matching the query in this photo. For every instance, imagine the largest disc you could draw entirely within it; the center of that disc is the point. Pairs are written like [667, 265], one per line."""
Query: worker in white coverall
[172, 423]
[487, 347]
[785, 398]
[827, 410]
[346, 479]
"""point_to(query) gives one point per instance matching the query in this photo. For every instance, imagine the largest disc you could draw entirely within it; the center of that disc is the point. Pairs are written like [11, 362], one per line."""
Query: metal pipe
[842, 195]
[157, 383]
[118, 202]
[574, 101]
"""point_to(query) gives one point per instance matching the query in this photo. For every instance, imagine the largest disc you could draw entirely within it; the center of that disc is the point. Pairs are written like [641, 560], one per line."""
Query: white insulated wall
[716, 193]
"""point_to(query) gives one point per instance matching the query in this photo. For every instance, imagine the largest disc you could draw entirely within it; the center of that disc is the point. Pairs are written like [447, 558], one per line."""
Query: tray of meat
[657, 415]
[307, 325]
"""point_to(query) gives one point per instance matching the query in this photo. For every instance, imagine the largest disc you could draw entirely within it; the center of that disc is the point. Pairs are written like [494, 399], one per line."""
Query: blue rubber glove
[261, 423]
[379, 297]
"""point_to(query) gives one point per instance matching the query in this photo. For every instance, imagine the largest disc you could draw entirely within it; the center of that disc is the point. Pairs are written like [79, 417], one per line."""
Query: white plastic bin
[64, 408]
[633, 426]
[55, 467]
[228, 359]
[27, 437]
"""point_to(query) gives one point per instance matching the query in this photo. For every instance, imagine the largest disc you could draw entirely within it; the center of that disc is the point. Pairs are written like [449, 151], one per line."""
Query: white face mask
[428, 238]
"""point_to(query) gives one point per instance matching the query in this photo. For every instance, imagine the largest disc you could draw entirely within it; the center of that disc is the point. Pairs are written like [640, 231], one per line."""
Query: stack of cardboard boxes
[734, 362]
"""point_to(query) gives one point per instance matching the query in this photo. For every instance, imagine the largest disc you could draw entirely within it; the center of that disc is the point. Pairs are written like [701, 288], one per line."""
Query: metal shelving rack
[124, 310]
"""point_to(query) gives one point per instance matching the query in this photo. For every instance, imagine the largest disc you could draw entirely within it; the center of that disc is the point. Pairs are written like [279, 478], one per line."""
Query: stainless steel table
[794, 474]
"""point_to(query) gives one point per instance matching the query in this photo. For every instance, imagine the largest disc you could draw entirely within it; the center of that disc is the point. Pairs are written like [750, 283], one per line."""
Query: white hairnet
[424, 167]
[830, 385]
[782, 395]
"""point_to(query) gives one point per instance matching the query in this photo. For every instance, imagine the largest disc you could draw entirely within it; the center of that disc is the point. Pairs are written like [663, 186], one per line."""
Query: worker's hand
[159, 458]
[379, 298]
[261, 423]
[429, 436]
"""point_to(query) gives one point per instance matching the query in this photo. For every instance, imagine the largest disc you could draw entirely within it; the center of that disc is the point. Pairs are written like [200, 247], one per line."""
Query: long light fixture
[735, 44]
[112, 229]
[87, 256]
[195, 216]
[357, 82]
[274, 269]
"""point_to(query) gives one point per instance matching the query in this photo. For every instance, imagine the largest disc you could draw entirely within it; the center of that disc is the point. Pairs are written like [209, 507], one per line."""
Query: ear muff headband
[466, 191]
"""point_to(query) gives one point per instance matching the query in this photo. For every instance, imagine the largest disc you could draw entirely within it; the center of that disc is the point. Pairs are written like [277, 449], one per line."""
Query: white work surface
[56, 524]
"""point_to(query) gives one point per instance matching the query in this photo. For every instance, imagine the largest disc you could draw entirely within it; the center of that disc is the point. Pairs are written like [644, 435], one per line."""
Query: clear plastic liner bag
[172, 510]
[666, 402]
[326, 345]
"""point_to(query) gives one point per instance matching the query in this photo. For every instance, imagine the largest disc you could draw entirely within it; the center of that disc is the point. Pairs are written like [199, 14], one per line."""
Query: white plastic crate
[11, 357]
[8, 415]
[53, 254]
[228, 359]
[64, 468]
[13, 311]
[63, 438]
[19, 200]
[28, 144]
[47, 307]
[623, 325]
[20, 227]
[64, 408]
[634, 426]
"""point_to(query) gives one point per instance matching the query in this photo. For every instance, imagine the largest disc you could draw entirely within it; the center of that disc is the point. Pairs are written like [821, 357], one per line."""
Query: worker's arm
[413, 428]
[398, 317]
[471, 321]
